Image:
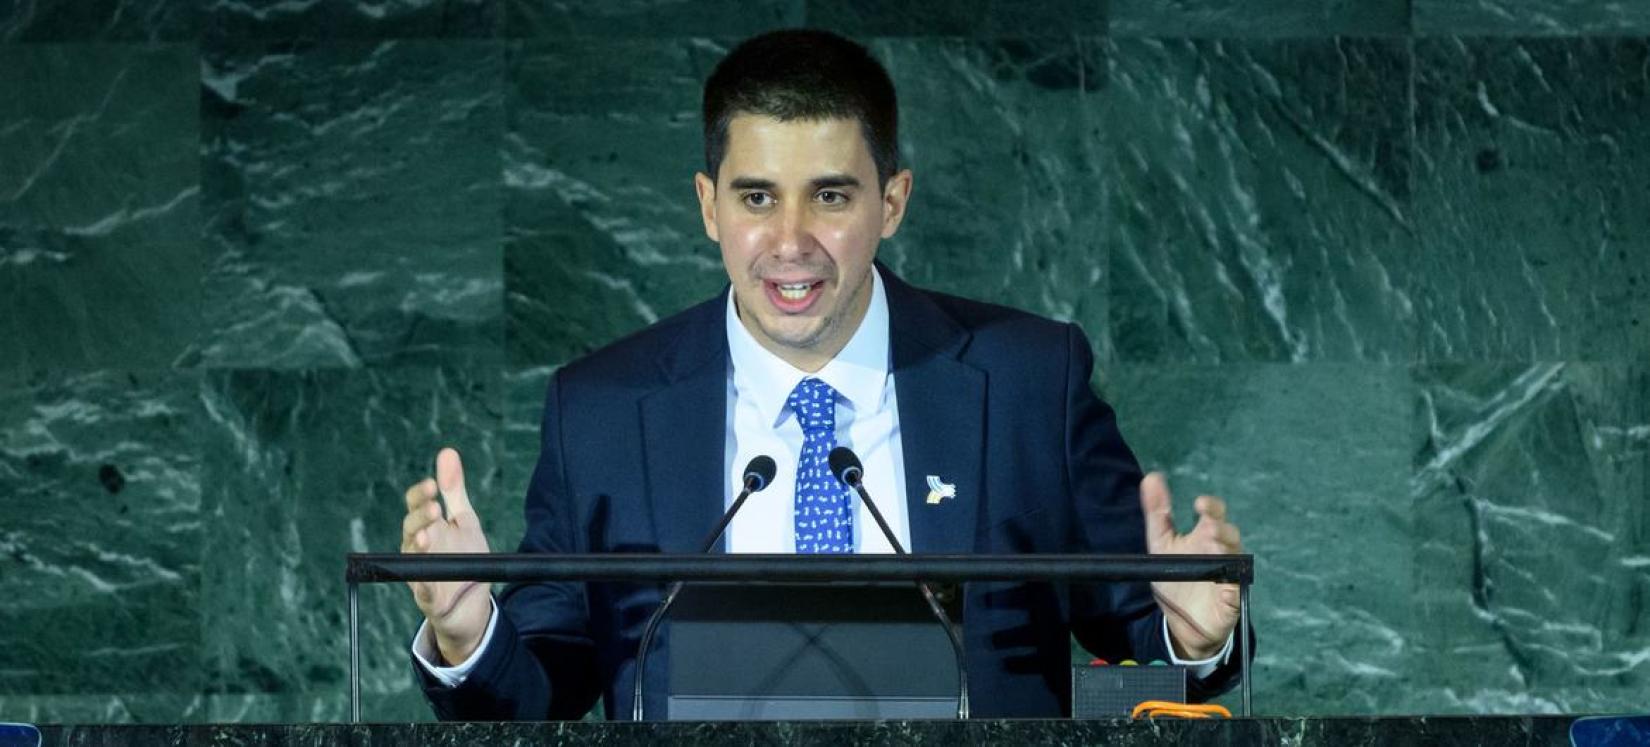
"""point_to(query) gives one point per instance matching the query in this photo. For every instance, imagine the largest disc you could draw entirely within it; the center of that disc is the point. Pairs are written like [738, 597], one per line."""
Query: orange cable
[1154, 708]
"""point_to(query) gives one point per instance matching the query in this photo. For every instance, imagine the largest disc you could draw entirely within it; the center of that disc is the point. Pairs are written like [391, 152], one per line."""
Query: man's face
[798, 213]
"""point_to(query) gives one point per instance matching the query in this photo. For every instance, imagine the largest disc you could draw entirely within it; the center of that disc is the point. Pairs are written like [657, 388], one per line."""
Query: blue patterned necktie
[824, 523]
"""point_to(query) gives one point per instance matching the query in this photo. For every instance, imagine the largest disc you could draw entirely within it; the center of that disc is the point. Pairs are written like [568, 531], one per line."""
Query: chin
[794, 336]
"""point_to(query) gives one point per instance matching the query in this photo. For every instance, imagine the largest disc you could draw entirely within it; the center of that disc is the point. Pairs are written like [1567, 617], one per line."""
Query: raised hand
[1200, 614]
[458, 611]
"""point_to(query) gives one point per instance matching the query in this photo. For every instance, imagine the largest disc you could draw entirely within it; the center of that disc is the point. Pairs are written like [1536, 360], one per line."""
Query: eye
[758, 200]
[832, 197]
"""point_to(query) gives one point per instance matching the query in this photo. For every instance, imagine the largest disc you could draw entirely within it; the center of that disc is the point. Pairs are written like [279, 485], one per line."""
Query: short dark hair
[803, 74]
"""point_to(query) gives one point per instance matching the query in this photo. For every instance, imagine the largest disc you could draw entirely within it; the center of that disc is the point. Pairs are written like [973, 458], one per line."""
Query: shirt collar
[859, 372]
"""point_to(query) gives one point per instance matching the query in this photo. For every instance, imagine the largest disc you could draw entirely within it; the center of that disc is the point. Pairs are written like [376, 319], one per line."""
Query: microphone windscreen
[845, 466]
[760, 469]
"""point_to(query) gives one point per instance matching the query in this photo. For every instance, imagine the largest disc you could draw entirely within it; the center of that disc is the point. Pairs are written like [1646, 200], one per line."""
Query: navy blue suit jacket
[996, 400]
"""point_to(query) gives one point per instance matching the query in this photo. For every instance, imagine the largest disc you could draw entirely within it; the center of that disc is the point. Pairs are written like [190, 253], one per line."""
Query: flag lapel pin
[939, 490]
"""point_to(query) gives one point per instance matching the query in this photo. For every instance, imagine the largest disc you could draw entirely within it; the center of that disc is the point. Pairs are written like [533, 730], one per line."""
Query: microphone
[845, 465]
[758, 475]
[847, 469]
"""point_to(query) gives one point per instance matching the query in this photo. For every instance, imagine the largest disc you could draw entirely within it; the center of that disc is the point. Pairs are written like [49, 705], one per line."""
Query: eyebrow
[829, 181]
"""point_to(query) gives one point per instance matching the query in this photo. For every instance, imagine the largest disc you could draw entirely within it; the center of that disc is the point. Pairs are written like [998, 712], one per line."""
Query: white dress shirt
[867, 421]
[760, 422]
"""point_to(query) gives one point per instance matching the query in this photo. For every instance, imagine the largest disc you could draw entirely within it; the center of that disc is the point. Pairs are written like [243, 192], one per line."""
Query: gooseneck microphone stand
[846, 467]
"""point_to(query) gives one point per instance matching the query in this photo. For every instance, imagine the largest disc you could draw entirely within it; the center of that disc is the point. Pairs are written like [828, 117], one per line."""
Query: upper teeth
[795, 291]
[796, 286]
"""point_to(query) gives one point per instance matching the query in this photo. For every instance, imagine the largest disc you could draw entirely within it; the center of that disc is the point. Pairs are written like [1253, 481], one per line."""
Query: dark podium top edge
[371, 568]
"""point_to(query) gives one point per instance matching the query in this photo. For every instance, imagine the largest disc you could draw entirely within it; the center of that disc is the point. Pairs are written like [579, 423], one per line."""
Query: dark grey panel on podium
[813, 651]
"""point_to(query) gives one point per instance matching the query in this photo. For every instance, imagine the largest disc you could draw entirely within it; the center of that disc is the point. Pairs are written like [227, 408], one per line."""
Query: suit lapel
[684, 432]
[941, 420]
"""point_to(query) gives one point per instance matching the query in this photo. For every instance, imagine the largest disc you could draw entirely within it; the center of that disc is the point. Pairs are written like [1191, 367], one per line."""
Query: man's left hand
[1200, 614]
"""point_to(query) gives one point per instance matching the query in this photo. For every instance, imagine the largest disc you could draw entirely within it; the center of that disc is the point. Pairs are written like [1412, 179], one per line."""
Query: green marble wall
[1376, 271]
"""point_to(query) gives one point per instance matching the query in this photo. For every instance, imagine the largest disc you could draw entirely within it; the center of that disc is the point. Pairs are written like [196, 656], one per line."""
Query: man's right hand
[458, 611]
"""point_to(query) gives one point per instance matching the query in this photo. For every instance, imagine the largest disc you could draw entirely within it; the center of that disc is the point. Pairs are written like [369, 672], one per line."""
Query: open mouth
[793, 297]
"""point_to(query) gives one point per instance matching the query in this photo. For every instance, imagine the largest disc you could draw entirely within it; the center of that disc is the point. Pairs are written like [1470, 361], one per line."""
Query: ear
[895, 195]
[706, 188]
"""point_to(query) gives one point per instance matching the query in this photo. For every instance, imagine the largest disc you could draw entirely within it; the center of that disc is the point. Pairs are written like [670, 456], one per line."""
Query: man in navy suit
[975, 422]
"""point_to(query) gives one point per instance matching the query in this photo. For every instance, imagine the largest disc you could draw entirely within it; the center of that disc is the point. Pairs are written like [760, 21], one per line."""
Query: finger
[449, 475]
[1155, 503]
[1215, 537]
[420, 493]
[417, 520]
[1231, 541]
[1210, 506]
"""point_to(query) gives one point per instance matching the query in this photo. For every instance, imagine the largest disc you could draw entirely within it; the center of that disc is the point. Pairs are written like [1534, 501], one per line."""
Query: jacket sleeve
[541, 662]
[1119, 620]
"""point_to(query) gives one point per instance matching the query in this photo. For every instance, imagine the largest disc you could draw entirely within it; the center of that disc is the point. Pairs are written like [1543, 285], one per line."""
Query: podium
[834, 570]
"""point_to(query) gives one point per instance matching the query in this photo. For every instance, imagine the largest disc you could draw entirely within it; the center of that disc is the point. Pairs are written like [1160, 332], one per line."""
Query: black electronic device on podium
[758, 687]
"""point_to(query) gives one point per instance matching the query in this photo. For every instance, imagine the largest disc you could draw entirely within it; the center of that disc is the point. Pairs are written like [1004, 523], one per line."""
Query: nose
[795, 239]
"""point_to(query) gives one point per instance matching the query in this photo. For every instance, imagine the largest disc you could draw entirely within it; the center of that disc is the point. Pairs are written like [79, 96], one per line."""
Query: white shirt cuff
[1200, 668]
[424, 650]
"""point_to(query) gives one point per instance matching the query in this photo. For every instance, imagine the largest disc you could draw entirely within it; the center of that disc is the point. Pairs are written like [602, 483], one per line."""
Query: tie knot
[814, 403]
